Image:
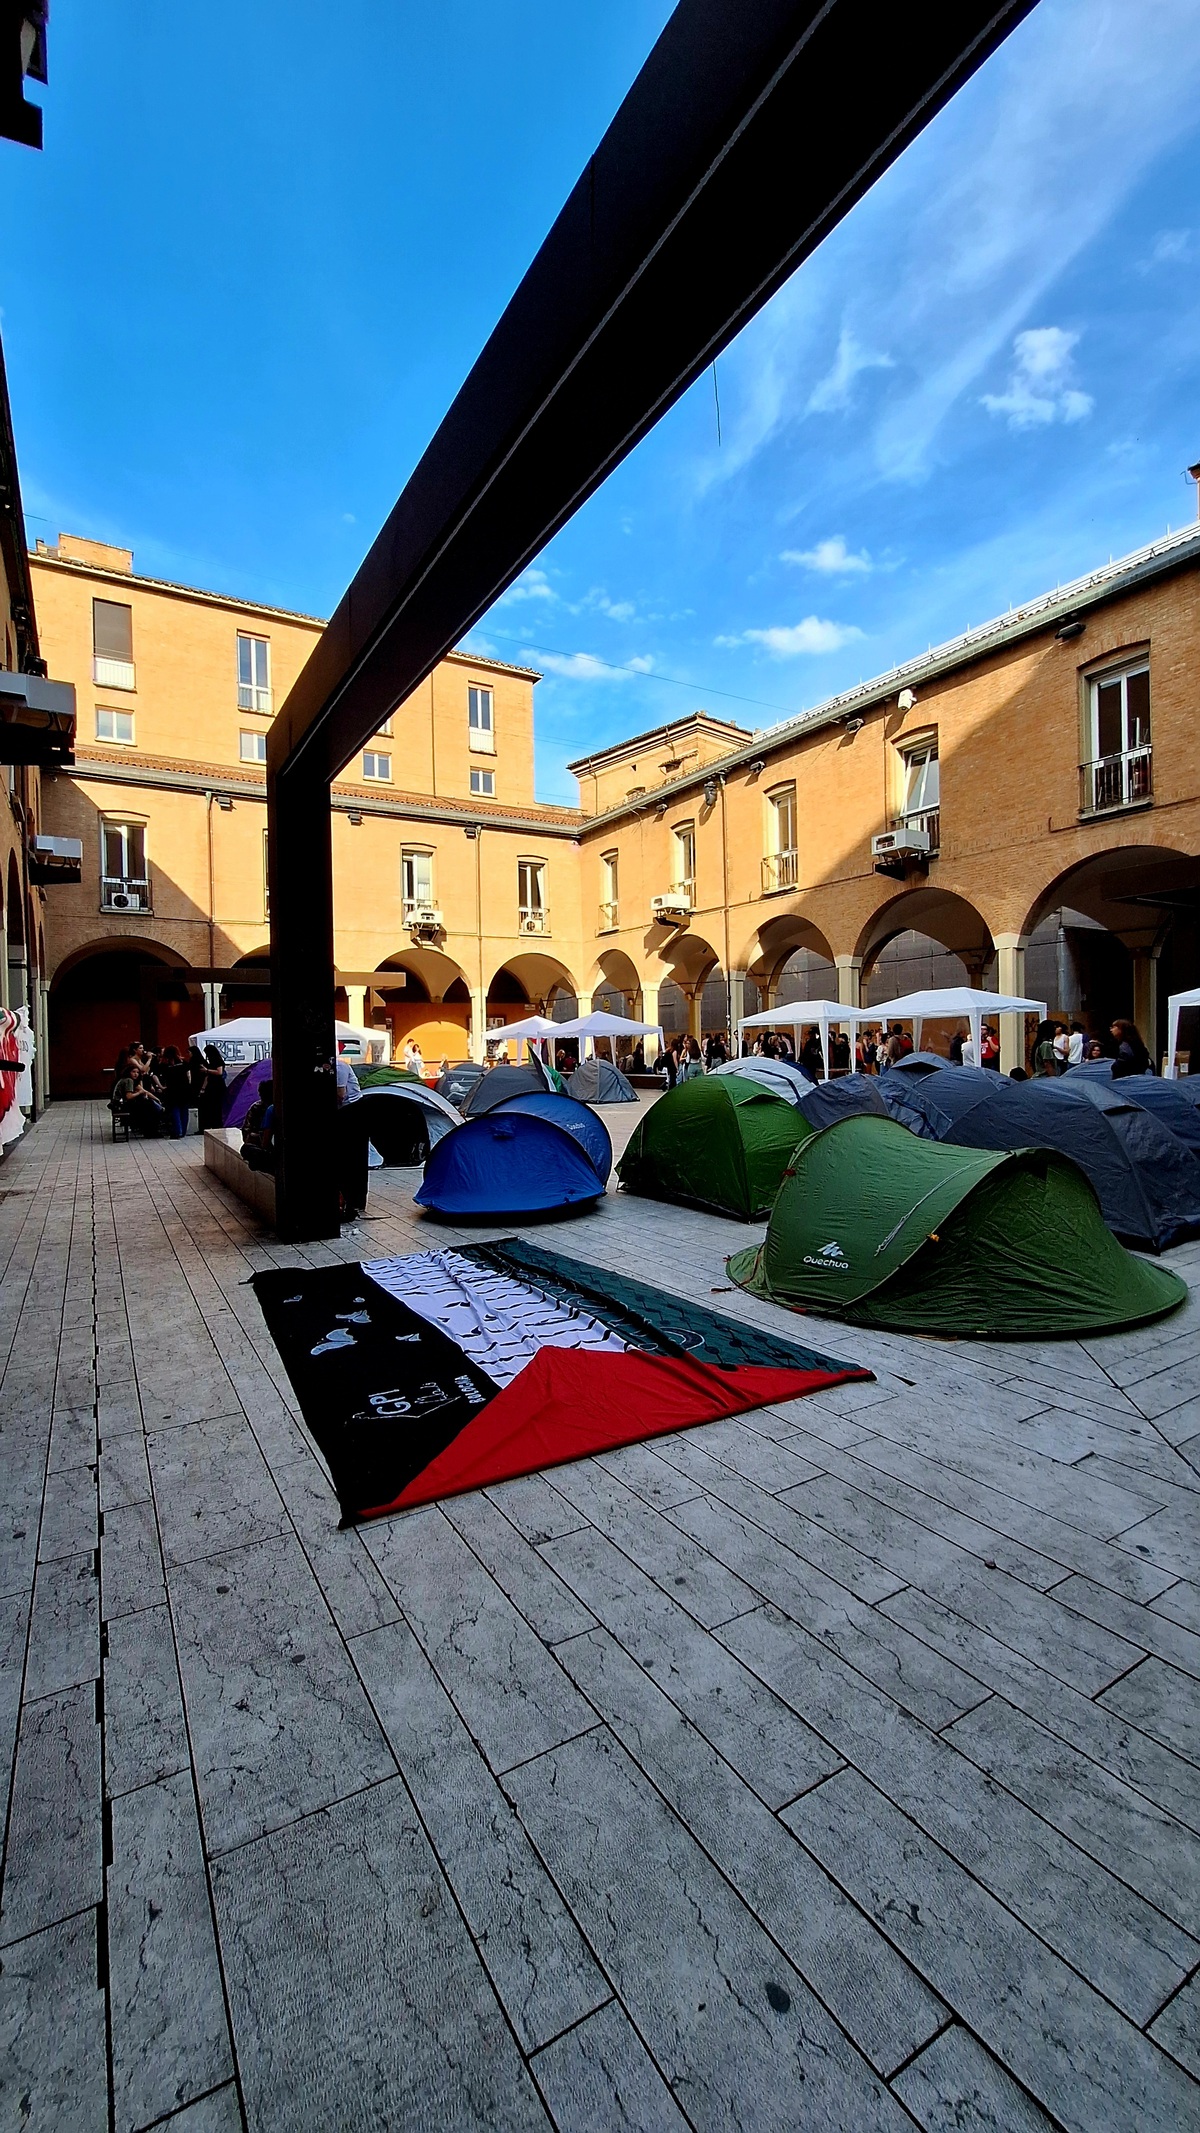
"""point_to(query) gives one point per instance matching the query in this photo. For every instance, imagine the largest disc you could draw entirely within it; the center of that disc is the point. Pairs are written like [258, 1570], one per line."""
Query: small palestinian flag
[446, 1370]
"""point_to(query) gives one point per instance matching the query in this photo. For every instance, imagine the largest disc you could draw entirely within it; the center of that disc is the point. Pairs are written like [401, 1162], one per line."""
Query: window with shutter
[112, 644]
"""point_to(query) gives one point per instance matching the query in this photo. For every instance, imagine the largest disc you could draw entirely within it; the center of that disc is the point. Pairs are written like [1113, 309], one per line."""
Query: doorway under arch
[104, 997]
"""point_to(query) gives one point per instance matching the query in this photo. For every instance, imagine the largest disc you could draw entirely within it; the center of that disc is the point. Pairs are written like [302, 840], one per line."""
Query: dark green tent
[875, 1225]
[721, 1143]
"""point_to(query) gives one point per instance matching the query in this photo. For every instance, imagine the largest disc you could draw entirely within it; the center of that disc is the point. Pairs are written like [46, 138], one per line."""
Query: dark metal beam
[749, 133]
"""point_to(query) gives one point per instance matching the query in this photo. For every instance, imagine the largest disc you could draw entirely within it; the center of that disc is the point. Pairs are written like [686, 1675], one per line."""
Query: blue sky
[256, 260]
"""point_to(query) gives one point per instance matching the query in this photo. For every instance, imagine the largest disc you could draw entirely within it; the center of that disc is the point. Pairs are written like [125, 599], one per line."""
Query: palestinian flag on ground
[446, 1370]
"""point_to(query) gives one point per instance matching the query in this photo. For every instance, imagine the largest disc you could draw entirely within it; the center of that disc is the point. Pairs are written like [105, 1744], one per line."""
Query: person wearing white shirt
[347, 1083]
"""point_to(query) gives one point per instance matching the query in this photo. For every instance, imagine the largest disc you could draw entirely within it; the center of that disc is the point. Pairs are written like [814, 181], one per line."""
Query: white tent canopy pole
[1176, 1001]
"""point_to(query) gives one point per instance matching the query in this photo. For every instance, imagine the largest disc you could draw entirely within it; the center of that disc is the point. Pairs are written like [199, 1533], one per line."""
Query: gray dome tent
[504, 1080]
[598, 1081]
[780, 1076]
[404, 1120]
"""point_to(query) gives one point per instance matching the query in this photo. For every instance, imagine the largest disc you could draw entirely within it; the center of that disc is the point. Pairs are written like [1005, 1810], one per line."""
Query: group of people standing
[1057, 1047]
[157, 1091]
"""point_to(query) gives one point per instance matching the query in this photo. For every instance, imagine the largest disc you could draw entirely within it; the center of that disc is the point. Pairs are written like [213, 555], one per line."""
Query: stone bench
[223, 1156]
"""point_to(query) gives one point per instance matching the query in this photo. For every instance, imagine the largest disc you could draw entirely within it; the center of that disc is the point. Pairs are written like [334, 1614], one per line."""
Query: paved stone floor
[835, 1767]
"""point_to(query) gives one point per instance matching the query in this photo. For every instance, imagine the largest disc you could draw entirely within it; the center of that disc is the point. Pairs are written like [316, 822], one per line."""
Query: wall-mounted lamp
[471, 830]
[1069, 631]
[758, 766]
[710, 792]
[855, 725]
[225, 803]
[355, 816]
[905, 700]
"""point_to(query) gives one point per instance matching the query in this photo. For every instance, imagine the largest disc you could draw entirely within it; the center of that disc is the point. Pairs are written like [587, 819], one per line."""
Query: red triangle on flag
[569, 1402]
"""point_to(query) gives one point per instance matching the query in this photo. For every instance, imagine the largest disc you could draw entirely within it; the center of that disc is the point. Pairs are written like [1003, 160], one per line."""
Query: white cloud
[597, 602]
[831, 556]
[584, 666]
[1171, 248]
[531, 585]
[832, 394]
[956, 248]
[785, 641]
[1039, 388]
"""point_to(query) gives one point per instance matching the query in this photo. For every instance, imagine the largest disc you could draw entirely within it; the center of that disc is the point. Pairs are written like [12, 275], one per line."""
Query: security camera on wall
[905, 700]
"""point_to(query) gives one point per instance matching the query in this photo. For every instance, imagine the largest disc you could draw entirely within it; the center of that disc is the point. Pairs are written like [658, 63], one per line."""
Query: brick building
[1039, 777]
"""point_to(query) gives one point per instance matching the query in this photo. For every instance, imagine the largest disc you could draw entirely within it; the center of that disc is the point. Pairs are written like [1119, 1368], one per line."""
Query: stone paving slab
[833, 1766]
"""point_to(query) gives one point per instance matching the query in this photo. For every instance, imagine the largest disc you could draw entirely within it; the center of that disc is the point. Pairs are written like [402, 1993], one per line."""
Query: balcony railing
[113, 673]
[534, 918]
[124, 893]
[608, 918]
[1115, 781]
[780, 870]
[928, 820]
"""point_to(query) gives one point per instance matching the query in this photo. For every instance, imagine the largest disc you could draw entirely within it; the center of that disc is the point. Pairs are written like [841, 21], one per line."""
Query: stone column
[1145, 998]
[212, 1005]
[478, 1023]
[1010, 978]
[737, 1007]
[649, 1011]
[356, 1006]
[40, 1024]
[695, 1001]
[849, 980]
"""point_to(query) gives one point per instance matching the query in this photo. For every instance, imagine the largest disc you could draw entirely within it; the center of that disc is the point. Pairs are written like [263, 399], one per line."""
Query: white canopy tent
[602, 1024]
[248, 1038]
[1176, 1001]
[955, 1003]
[531, 1027]
[799, 1014]
[950, 1002]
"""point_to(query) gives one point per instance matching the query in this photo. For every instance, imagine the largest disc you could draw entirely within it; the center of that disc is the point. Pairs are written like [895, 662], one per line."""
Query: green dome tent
[875, 1225]
[720, 1143]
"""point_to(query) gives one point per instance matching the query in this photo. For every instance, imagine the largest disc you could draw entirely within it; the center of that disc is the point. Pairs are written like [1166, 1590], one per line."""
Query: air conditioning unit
[124, 900]
[534, 923]
[900, 844]
[424, 918]
[672, 910]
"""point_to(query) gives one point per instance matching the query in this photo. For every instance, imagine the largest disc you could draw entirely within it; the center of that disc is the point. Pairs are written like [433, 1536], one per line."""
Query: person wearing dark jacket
[211, 1102]
[177, 1092]
[1132, 1056]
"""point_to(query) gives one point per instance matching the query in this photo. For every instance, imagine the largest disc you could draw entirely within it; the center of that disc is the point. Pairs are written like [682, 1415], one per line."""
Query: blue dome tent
[573, 1118]
[508, 1163]
[1166, 1099]
[1147, 1181]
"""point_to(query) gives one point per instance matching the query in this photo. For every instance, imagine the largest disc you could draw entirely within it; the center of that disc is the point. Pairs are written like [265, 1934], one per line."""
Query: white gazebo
[801, 1013]
[955, 1003]
[249, 1038]
[1176, 1001]
[530, 1030]
[601, 1024]
[949, 1003]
